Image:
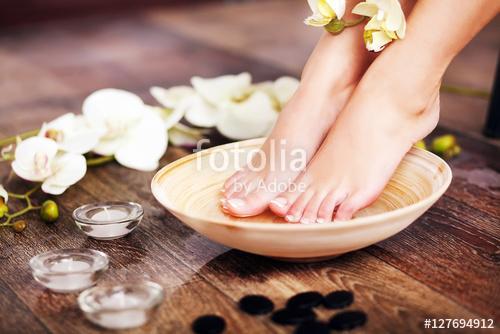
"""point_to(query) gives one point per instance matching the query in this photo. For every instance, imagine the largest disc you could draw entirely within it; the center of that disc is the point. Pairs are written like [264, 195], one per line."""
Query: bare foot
[364, 147]
[328, 80]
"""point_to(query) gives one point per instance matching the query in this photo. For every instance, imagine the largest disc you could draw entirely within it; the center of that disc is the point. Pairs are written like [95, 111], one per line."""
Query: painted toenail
[280, 202]
[236, 203]
[291, 218]
[307, 221]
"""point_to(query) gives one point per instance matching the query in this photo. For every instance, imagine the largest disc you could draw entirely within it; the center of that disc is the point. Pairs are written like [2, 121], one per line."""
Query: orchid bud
[19, 226]
[3, 208]
[49, 211]
[446, 146]
[421, 144]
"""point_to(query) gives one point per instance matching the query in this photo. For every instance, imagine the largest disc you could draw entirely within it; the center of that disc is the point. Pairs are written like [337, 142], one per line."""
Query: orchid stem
[99, 161]
[354, 23]
[13, 139]
[465, 91]
[29, 206]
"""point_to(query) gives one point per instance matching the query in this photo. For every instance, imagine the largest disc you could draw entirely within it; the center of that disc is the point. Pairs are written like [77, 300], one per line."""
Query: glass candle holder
[121, 306]
[69, 270]
[108, 220]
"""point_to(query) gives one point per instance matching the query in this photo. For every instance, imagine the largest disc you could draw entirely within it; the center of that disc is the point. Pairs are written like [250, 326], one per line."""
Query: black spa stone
[289, 316]
[347, 320]
[256, 304]
[303, 300]
[312, 327]
[338, 299]
[209, 324]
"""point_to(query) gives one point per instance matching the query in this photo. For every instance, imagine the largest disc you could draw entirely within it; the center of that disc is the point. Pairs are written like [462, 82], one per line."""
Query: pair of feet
[354, 125]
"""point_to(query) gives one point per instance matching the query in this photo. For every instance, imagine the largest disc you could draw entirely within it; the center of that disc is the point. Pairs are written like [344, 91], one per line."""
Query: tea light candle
[108, 220]
[121, 306]
[69, 270]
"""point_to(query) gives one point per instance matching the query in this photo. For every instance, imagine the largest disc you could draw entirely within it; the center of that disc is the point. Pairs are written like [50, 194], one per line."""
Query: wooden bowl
[190, 190]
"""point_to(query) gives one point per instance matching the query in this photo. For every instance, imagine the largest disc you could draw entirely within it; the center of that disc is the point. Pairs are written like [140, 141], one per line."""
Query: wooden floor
[445, 265]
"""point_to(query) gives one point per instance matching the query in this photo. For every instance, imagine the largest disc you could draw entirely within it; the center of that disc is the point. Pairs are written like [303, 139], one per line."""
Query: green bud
[335, 26]
[19, 226]
[49, 211]
[3, 209]
[446, 146]
[421, 144]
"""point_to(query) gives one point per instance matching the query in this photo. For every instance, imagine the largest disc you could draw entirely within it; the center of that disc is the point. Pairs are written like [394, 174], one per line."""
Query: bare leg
[329, 77]
[394, 105]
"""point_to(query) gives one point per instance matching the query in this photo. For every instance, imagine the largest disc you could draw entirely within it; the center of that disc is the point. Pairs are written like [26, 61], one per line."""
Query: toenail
[223, 190]
[236, 202]
[280, 202]
[291, 218]
[306, 221]
[320, 221]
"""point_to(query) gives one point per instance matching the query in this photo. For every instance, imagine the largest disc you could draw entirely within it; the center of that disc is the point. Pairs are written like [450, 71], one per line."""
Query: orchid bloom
[251, 118]
[387, 22]
[72, 133]
[4, 195]
[217, 91]
[280, 91]
[324, 11]
[37, 159]
[134, 134]
[201, 105]
[171, 99]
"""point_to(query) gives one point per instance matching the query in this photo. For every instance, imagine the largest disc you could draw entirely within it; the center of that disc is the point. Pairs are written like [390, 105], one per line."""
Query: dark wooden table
[445, 265]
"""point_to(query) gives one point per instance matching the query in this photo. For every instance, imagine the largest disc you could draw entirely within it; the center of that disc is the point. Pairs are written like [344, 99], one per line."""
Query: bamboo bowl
[190, 190]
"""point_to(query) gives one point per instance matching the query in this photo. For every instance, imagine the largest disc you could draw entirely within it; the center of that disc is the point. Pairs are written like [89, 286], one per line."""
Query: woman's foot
[366, 144]
[328, 80]
[300, 129]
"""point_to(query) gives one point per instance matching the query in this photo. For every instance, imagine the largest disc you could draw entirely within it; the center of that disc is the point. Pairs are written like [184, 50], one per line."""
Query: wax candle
[108, 220]
[121, 306]
[68, 270]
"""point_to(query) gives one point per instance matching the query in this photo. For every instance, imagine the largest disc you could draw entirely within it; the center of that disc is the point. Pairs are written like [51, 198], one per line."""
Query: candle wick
[107, 213]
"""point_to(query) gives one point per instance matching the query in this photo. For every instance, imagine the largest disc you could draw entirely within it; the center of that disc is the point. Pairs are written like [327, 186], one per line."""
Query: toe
[352, 204]
[283, 202]
[251, 205]
[327, 207]
[310, 215]
[294, 214]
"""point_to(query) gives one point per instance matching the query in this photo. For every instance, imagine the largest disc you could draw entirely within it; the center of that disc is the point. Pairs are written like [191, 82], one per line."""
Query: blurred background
[55, 52]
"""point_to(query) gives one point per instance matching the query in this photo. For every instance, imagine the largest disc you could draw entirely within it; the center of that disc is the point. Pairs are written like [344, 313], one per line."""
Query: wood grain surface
[445, 265]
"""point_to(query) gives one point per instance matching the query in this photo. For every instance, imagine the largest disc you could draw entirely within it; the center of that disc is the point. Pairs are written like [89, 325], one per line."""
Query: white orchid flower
[67, 169]
[72, 133]
[4, 194]
[251, 118]
[284, 88]
[387, 22]
[36, 159]
[280, 91]
[324, 11]
[171, 99]
[135, 135]
[184, 136]
[199, 112]
[217, 91]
